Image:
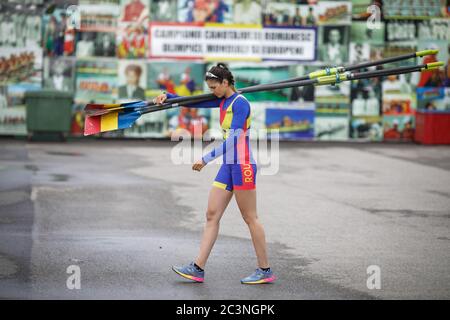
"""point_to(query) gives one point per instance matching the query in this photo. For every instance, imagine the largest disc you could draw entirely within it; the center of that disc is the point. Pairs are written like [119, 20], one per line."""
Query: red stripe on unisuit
[222, 112]
[248, 181]
[242, 148]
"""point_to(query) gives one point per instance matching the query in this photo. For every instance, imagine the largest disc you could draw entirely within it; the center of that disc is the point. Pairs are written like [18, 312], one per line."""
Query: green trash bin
[49, 113]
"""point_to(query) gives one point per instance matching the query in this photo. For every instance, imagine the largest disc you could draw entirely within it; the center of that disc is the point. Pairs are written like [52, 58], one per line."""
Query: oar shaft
[312, 75]
[168, 105]
[332, 79]
[334, 70]
[380, 62]
[282, 85]
[385, 72]
[284, 81]
[347, 76]
[391, 59]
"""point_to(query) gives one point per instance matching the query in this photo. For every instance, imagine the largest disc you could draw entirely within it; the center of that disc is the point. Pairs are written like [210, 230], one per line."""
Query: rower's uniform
[238, 171]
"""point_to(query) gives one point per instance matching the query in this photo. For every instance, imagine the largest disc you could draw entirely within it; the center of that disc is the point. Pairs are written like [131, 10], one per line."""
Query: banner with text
[211, 41]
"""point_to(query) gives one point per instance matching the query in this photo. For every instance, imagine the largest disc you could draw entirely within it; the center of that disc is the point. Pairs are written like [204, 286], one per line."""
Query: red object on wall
[432, 127]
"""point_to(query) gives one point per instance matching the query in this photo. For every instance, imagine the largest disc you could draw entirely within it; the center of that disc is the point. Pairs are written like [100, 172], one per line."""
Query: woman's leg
[246, 200]
[217, 203]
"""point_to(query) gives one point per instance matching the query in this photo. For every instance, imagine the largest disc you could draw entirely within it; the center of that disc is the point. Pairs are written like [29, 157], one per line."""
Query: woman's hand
[160, 99]
[197, 166]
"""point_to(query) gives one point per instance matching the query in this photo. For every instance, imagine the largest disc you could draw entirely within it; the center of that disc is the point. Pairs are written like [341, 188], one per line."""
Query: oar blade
[94, 109]
[96, 106]
[99, 112]
[113, 120]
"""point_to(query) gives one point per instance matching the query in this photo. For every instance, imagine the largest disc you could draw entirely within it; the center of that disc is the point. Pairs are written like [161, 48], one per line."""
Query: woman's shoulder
[242, 103]
[242, 99]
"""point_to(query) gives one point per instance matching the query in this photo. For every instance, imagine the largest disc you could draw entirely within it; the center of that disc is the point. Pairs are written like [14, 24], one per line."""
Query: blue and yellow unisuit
[238, 171]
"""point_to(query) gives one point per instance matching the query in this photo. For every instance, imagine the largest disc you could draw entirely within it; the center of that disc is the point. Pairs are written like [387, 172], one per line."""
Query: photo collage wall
[107, 58]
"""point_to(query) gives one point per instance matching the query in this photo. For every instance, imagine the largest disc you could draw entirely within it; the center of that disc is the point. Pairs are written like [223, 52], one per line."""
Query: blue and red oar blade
[93, 106]
[98, 106]
[113, 120]
[99, 109]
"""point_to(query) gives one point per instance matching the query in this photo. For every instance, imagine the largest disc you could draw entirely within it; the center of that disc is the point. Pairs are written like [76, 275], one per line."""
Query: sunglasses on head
[211, 75]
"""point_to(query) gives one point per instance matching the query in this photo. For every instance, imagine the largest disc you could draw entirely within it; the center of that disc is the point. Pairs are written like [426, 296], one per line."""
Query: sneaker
[190, 272]
[259, 276]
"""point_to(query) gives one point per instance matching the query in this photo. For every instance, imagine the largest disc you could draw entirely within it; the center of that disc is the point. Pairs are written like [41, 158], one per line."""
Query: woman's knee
[213, 215]
[250, 219]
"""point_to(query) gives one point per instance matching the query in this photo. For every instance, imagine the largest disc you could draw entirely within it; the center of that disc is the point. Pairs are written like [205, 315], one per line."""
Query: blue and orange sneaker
[259, 276]
[190, 272]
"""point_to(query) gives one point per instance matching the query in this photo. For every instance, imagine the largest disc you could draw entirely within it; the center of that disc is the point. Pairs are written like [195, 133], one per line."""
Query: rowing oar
[122, 119]
[363, 65]
[332, 79]
[100, 109]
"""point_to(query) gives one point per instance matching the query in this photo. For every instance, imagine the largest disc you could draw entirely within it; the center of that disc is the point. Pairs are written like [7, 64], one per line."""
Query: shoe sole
[262, 281]
[186, 276]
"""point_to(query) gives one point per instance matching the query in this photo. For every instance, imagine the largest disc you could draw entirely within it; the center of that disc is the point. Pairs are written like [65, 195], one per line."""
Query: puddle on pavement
[64, 153]
[57, 177]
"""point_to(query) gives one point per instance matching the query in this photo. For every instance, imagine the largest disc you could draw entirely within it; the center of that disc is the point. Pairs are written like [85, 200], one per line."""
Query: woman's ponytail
[220, 72]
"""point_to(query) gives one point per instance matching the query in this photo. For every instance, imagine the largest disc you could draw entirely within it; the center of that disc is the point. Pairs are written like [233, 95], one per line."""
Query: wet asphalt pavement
[123, 213]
